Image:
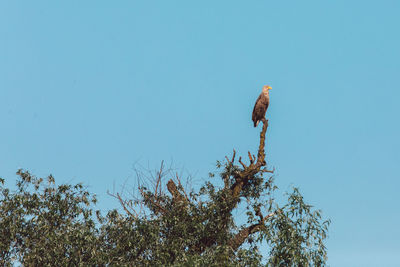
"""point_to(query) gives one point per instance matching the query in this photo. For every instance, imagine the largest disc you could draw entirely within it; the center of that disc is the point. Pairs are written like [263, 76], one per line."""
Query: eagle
[261, 105]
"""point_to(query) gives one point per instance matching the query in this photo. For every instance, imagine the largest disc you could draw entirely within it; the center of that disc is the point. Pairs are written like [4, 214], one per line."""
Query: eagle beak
[269, 87]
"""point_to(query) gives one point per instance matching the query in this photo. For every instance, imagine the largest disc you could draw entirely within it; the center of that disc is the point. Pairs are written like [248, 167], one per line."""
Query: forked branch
[255, 166]
[243, 234]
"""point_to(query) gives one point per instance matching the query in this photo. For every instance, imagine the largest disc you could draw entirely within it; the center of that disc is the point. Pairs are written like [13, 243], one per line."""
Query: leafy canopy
[42, 224]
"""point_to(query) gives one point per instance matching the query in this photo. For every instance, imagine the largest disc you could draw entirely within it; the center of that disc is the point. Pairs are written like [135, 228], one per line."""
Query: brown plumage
[261, 106]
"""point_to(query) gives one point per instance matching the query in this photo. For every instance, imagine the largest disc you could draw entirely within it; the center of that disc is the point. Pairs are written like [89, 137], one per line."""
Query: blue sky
[89, 88]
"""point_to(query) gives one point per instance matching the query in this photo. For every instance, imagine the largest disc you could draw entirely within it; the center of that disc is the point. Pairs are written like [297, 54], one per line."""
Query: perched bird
[261, 105]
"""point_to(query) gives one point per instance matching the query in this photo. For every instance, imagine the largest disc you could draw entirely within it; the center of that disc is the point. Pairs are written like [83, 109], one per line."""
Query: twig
[123, 204]
[240, 161]
[268, 171]
[158, 180]
[156, 204]
[250, 158]
[233, 156]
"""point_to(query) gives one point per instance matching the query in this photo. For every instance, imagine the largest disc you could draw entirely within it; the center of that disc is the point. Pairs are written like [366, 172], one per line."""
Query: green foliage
[42, 224]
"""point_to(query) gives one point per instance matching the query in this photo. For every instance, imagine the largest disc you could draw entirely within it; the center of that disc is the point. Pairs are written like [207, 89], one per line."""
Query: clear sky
[89, 88]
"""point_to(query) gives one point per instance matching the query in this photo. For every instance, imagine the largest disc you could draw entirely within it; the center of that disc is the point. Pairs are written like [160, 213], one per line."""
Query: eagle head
[266, 88]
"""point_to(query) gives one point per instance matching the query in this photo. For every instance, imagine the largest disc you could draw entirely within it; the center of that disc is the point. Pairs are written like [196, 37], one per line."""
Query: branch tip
[240, 161]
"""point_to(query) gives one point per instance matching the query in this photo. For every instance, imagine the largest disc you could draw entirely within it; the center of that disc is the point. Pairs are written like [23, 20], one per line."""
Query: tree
[41, 224]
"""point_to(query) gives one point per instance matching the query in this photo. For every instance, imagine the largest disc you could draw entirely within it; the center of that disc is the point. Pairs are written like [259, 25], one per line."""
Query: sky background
[88, 89]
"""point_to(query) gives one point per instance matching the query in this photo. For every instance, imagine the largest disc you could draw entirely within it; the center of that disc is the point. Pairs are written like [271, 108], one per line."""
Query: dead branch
[156, 204]
[226, 157]
[261, 151]
[248, 172]
[233, 156]
[241, 178]
[125, 205]
[251, 158]
[243, 165]
[157, 190]
[230, 162]
[269, 171]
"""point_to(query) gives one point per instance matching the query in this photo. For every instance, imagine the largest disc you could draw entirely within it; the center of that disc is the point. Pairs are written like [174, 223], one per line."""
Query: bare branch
[261, 150]
[226, 157]
[233, 156]
[157, 190]
[250, 158]
[240, 161]
[124, 206]
[131, 212]
[268, 171]
[156, 204]
[248, 172]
